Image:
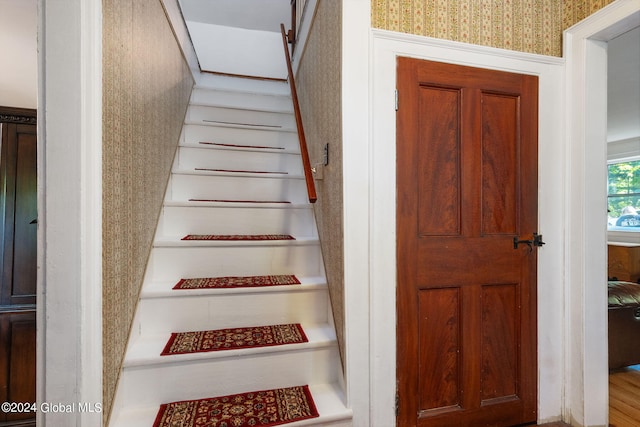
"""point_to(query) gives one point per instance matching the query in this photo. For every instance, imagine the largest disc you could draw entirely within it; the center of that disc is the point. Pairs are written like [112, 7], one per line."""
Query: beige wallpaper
[533, 26]
[146, 87]
[319, 89]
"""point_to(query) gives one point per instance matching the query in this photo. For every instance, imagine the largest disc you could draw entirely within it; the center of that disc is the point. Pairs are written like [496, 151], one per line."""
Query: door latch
[537, 241]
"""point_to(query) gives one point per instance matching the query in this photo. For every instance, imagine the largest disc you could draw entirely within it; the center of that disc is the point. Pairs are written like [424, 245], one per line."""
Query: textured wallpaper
[533, 26]
[146, 88]
[319, 89]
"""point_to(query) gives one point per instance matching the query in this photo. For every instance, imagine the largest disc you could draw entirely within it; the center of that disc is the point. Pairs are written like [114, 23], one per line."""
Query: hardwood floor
[624, 397]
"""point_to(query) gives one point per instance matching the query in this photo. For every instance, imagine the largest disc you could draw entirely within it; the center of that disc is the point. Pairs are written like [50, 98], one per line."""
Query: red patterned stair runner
[234, 338]
[236, 282]
[238, 237]
[256, 409]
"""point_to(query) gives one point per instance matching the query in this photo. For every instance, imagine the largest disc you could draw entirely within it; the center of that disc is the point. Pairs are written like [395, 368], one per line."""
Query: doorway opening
[586, 52]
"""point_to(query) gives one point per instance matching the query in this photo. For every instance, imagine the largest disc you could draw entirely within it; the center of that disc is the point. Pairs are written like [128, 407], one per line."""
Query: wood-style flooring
[624, 397]
[557, 424]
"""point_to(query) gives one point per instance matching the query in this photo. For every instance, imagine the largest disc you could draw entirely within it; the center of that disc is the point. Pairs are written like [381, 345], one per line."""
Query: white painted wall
[18, 50]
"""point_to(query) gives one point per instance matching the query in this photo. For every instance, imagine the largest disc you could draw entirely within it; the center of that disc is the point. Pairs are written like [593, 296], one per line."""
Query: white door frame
[585, 47]
[69, 293]
[387, 47]
[369, 143]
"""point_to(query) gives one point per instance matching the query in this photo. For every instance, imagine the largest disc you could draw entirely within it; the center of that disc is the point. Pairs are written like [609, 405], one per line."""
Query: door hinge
[396, 99]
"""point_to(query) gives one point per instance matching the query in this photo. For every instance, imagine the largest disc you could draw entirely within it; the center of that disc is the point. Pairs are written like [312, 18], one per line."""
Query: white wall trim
[585, 48]
[90, 384]
[623, 150]
[69, 339]
[356, 125]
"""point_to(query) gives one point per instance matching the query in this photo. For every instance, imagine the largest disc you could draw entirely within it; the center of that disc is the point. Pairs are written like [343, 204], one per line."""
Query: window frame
[633, 234]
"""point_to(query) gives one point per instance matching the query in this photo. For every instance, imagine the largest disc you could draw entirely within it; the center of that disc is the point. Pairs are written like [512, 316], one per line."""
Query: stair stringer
[146, 376]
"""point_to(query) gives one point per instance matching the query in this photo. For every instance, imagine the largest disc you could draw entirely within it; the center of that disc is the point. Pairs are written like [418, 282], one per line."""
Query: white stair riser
[195, 134]
[168, 264]
[183, 187]
[212, 158]
[236, 117]
[179, 221]
[235, 99]
[215, 81]
[217, 377]
[231, 311]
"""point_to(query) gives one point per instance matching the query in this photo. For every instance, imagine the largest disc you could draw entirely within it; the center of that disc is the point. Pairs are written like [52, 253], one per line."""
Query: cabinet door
[18, 233]
[17, 362]
[18, 203]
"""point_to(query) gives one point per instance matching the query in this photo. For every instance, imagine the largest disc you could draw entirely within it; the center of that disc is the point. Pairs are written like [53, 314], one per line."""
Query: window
[624, 196]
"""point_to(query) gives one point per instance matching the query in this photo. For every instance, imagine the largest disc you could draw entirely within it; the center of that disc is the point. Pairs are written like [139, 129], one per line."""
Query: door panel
[499, 164]
[466, 186]
[500, 319]
[19, 205]
[439, 342]
[17, 362]
[18, 229]
[439, 204]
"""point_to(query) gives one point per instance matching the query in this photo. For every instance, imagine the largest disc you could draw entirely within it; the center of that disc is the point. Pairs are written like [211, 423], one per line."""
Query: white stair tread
[328, 398]
[232, 204]
[209, 145]
[237, 174]
[240, 125]
[164, 289]
[243, 84]
[145, 351]
[250, 101]
[175, 241]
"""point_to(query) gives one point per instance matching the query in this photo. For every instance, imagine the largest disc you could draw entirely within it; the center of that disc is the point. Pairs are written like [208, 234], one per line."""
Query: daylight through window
[624, 196]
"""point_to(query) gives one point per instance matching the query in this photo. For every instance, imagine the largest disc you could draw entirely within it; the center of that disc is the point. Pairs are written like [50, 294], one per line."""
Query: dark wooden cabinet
[18, 263]
[17, 363]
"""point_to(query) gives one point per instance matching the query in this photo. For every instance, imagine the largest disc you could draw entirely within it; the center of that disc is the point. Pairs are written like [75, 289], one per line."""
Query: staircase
[237, 171]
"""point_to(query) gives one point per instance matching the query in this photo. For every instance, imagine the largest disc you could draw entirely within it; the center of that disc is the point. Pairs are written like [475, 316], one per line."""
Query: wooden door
[18, 229]
[466, 298]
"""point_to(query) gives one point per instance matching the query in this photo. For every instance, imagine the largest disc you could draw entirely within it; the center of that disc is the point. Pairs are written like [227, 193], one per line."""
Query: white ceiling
[240, 37]
[263, 15]
[18, 50]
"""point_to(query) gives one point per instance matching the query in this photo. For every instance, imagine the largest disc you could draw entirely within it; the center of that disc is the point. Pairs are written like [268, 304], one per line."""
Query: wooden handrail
[292, 36]
[306, 164]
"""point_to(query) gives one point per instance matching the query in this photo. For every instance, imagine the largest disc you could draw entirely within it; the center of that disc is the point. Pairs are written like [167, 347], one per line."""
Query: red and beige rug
[254, 409]
[238, 237]
[236, 282]
[234, 338]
